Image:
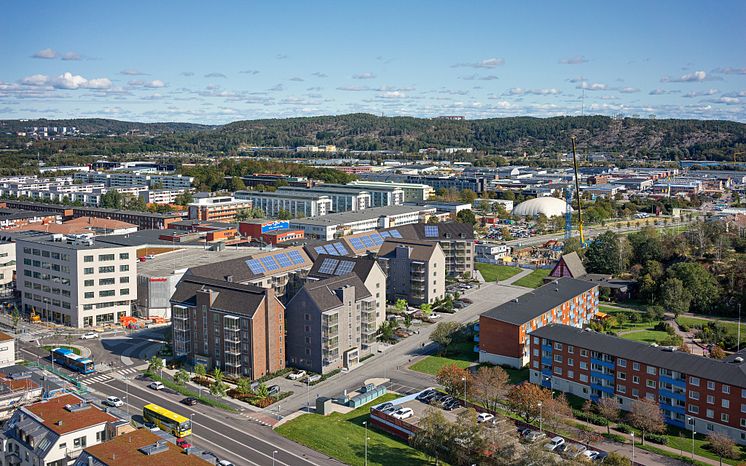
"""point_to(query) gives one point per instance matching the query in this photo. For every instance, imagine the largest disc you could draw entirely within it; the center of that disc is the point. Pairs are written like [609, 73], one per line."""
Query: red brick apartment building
[503, 330]
[694, 392]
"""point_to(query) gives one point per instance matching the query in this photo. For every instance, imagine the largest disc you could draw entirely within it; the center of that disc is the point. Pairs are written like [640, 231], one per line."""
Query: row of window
[46, 277]
[54, 255]
[39, 287]
[44, 300]
[106, 281]
[106, 293]
[46, 265]
[107, 257]
[106, 269]
[89, 307]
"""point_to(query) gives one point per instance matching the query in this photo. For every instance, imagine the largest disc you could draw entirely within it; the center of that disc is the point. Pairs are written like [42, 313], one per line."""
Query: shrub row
[590, 417]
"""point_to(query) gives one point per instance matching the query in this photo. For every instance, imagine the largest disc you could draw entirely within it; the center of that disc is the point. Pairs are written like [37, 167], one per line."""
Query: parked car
[522, 431]
[151, 427]
[485, 417]
[573, 451]
[183, 443]
[89, 336]
[590, 454]
[534, 436]
[425, 393]
[390, 410]
[297, 375]
[429, 398]
[403, 413]
[445, 400]
[384, 406]
[273, 389]
[466, 300]
[601, 457]
[113, 401]
[451, 405]
[189, 401]
[554, 443]
[314, 378]
[224, 463]
[156, 385]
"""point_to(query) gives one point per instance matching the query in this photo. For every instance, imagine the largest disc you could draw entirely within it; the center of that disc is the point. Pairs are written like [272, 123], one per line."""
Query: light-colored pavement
[516, 277]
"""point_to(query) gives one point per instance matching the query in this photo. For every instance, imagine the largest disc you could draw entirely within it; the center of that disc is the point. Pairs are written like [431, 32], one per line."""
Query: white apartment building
[54, 432]
[344, 198]
[298, 205]
[161, 196]
[7, 350]
[132, 179]
[7, 268]
[413, 192]
[75, 280]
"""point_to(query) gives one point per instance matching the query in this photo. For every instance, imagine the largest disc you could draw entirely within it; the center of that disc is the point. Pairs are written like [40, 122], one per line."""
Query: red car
[181, 442]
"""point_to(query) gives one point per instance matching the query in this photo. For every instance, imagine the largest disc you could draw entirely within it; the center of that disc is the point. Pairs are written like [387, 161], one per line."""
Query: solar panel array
[372, 239]
[336, 267]
[344, 268]
[328, 266]
[274, 262]
[395, 234]
[431, 231]
[333, 249]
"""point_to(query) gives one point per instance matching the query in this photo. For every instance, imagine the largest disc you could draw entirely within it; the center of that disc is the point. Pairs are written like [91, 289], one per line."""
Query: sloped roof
[418, 250]
[61, 421]
[232, 297]
[323, 292]
[241, 271]
[362, 266]
[574, 264]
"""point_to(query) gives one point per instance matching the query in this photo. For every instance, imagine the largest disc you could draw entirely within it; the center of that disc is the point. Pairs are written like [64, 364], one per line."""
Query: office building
[214, 208]
[504, 330]
[344, 198]
[413, 192]
[270, 231]
[7, 269]
[222, 324]
[330, 324]
[330, 226]
[694, 392]
[297, 205]
[73, 280]
[415, 270]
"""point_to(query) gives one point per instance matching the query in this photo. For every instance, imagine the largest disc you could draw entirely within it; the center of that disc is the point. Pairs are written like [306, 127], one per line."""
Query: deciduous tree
[490, 385]
[608, 407]
[721, 445]
[647, 416]
[443, 334]
[675, 297]
[452, 378]
[524, 400]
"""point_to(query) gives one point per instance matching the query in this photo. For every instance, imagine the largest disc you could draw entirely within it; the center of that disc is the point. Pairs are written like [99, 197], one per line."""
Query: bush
[684, 327]
[662, 327]
[656, 438]
[623, 428]
[614, 437]
[593, 418]
[271, 376]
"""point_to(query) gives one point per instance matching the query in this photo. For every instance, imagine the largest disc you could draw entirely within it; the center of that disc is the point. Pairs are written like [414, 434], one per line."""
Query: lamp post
[365, 424]
[274, 452]
[691, 422]
[633, 447]
[127, 394]
[541, 421]
[463, 379]
[191, 422]
[308, 394]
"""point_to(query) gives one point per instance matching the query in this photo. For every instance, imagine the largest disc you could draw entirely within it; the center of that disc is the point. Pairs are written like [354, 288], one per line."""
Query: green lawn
[342, 436]
[432, 364]
[491, 272]
[533, 280]
[49, 348]
[646, 336]
[731, 327]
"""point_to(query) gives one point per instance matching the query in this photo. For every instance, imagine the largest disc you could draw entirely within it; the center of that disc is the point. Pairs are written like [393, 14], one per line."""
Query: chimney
[229, 278]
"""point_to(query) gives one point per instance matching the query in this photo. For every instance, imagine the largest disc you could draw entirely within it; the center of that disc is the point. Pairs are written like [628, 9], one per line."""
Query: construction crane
[577, 193]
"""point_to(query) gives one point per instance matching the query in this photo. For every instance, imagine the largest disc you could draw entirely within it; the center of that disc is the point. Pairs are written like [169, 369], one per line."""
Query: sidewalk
[515, 277]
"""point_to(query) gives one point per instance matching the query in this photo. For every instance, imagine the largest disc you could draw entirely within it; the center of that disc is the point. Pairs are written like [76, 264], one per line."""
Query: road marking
[222, 421]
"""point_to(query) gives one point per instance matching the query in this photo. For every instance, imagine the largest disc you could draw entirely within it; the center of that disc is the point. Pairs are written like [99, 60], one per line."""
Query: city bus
[168, 421]
[72, 361]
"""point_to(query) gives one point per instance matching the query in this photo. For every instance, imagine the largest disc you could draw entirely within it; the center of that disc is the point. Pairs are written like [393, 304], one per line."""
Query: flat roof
[535, 303]
[361, 215]
[167, 262]
[46, 238]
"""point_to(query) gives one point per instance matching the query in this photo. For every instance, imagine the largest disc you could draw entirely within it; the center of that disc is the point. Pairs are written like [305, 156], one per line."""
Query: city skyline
[208, 65]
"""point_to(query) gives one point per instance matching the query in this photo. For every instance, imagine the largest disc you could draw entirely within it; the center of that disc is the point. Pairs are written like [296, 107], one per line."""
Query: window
[570, 374]
[570, 362]
[89, 282]
[710, 413]
[710, 400]
[106, 269]
[694, 409]
[570, 349]
[584, 353]
[621, 388]
[536, 364]
[693, 395]
[621, 375]
[101, 436]
[635, 379]
[694, 381]
[635, 366]
[124, 268]
[88, 271]
[743, 408]
[743, 422]
[725, 403]
[651, 370]
[558, 346]
[650, 383]
[635, 393]
[87, 258]
[88, 294]
[557, 358]
[743, 393]
[536, 340]
[726, 389]
[710, 427]
[124, 279]
[106, 281]
[104, 293]
[724, 417]
[106, 257]
[79, 442]
[124, 255]
[124, 291]
[583, 378]
[622, 362]
[558, 370]
[63, 445]
[710, 385]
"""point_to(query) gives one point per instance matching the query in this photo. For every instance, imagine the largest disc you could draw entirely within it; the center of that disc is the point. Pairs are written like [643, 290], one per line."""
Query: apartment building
[367, 269]
[133, 179]
[415, 270]
[694, 392]
[7, 269]
[344, 198]
[298, 205]
[413, 192]
[140, 447]
[75, 280]
[212, 208]
[221, 324]
[330, 226]
[382, 195]
[54, 432]
[330, 324]
[282, 270]
[455, 239]
[161, 196]
[504, 330]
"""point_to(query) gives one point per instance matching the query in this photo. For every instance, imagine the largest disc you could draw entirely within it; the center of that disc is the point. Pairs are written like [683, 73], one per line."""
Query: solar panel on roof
[367, 241]
[255, 266]
[385, 234]
[330, 249]
[395, 233]
[356, 243]
[431, 231]
[341, 249]
[344, 267]
[269, 263]
[295, 257]
[328, 266]
[320, 250]
[283, 260]
[377, 240]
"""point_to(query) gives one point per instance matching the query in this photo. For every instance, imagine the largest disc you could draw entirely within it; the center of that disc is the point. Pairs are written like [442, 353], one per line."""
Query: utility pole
[738, 343]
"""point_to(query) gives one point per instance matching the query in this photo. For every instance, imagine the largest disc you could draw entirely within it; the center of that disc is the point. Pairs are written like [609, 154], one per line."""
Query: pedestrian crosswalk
[106, 377]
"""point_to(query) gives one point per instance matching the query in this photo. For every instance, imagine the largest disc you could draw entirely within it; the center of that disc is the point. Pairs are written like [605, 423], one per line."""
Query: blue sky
[215, 62]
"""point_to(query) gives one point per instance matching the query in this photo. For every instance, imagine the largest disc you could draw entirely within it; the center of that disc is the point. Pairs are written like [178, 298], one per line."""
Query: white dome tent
[549, 206]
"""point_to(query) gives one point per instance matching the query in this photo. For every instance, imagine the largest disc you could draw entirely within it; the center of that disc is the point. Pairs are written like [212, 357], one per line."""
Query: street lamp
[274, 452]
[541, 421]
[308, 394]
[633, 447]
[191, 422]
[463, 379]
[365, 424]
[691, 422]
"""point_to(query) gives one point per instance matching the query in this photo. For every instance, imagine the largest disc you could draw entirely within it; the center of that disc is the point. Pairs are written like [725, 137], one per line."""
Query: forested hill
[683, 138]
[102, 126]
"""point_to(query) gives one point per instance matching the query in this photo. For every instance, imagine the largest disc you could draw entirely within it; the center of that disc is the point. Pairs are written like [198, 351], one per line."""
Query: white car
[113, 401]
[89, 336]
[485, 417]
[156, 385]
[224, 463]
[590, 454]
[555, 443]
[297, 375]
[403, 413]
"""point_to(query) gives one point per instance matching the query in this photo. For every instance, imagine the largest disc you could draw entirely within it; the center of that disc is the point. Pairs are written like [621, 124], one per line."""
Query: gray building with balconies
[416, 270]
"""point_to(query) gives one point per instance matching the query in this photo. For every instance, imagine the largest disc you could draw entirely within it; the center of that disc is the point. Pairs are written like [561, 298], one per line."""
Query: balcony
[546, 361]
[673, 395]
[603, 388]
[673, 381]
[603, 375]
[674, 409]
[547, 348]
[603, 363]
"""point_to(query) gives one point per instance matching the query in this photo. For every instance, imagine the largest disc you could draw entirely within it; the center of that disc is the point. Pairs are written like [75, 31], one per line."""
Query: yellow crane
[577, 193]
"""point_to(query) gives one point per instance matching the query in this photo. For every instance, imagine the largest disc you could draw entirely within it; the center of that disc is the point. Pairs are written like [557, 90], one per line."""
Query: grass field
[461, 354]
[533, 280]
[645, 336]
[342, 436]
[491, 272]
[731, 327]
[49, 348]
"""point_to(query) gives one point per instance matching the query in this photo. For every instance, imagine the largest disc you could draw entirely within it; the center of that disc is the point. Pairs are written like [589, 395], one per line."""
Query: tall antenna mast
[582, 103]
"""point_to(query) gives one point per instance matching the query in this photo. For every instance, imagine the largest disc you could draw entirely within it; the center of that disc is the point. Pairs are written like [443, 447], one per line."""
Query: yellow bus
[168, 421]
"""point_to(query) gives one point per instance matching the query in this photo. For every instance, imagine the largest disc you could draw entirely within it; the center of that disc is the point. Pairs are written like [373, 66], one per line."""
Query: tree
[699, 282]
[401, 305]
[181, 377]
[200, 370]
[443, 334]
[645, 245]
[555, 410]
[386, 331]
[717, 352]
[490, 384]
[647, 416]
[432, 220]
[722, 446]
[609, 408]
[283, 214]
[654, 313]
[432, 436]
[236, 184]
[155, 364]
[184, 198]
[112, 199]
[426, 309]
[607, 254]
[572, 245]
[452, 377]
[407, 320]
[262, 391]
[217, 387]
[616, 459]
[466, 216]
[676, 297]
[16, 318]
[524, 400]
[243, 386]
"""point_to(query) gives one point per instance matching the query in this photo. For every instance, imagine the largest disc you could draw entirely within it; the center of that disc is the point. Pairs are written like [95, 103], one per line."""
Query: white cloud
[98, 83]
[392, 95]
[730, 70]
[154, 84]
[277, 88]
[35, 80]
[591, 86]
[251, 72]
[728, 100]
[522, 91]
[46, 54]
[215, 75]
[353, 88]
[696, 76]
[486, 63]
[700, 93]
[576, 60]
[66, 81]
[366, 75]
[319, 75]
[629, 90]
[472, 77]
[71, 56]
[660, 91]
[133, 72]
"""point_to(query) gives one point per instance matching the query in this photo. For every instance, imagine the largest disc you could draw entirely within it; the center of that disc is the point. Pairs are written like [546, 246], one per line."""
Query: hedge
[590, 417]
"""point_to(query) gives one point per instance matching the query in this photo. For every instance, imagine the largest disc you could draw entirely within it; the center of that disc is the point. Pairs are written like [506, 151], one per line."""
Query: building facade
[415, 271]
[344, 198]
[236, 328]
[695, 393]
[74, 280]
[413, 192]
[217, 208]
[296, 204]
